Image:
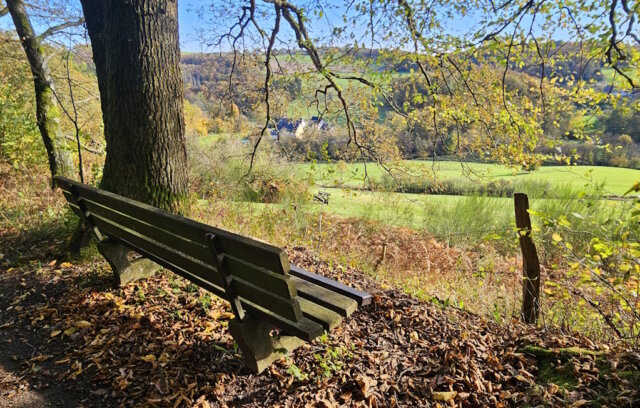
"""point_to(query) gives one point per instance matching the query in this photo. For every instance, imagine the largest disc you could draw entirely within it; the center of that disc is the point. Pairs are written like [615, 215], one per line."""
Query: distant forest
[231, 103]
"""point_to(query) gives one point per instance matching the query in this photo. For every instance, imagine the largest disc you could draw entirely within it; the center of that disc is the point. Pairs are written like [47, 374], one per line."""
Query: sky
[187, 22]
[190, 23]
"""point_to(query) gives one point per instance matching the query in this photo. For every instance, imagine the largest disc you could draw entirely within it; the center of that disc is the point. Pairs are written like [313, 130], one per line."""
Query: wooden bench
[267, 295]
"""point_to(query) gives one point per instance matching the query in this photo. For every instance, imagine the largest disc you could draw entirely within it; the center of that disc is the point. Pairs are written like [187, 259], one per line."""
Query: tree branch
[57, 28]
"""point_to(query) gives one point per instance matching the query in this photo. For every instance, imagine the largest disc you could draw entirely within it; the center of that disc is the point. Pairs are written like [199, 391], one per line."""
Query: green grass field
[616, 180]
[462, 218]
[621, 83]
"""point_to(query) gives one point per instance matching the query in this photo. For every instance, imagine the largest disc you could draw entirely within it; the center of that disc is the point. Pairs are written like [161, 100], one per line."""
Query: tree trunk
[137, 55]
[47, 114]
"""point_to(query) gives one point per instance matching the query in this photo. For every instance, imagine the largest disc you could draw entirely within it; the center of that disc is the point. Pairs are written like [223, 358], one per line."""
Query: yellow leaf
[82, 324]
[55, 333]
[445, 396]
[635, 187]
[413, 336]
[70, 331]
[66, 265]
[149, 358]
[556, 237]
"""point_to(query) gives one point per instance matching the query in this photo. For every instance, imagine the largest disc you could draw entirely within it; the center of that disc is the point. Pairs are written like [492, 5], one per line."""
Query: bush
[464, 186]
[222, 171]
[619, 161]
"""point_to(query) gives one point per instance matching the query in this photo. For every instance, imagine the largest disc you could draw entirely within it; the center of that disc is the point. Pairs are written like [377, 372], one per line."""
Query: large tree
[137, 56]
[47, 114]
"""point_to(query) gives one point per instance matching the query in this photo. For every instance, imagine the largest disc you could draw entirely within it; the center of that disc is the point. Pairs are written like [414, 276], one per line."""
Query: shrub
[619, 161]
[222, 171]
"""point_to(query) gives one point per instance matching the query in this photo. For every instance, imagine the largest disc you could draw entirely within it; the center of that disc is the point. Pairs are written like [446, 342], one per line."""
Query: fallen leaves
[156, 343]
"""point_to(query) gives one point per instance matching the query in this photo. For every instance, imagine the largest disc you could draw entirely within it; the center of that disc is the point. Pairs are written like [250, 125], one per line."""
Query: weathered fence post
[530, 262]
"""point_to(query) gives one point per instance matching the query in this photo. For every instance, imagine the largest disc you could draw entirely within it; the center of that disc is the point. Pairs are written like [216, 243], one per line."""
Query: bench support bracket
[259, 348]
[126, 271]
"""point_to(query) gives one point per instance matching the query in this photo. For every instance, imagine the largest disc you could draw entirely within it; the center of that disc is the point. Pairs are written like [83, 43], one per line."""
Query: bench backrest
[256, 273]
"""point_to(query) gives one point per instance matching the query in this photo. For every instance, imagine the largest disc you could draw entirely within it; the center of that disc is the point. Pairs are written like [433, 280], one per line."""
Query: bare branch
[267, 79]
[57, 28]
[614, 47]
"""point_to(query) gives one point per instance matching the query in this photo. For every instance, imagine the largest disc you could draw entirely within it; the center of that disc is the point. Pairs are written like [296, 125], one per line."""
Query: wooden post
[530, 262]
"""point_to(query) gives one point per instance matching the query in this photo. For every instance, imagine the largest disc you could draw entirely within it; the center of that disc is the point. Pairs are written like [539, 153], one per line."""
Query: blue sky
[190, 23]
[187, 23]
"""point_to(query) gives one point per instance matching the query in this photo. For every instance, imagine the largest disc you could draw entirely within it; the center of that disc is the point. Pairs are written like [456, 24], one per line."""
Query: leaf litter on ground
[162, 342]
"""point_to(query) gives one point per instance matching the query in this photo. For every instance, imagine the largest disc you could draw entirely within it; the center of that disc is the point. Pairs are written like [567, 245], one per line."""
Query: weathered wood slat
[305, 329]
[70, 198]
[146, 246]
[190, 268]
[287, 308]
[278, 284]
[327, 318]
[325, 297]
[76, 210]
[362, 298]
[188, 247]
[256, 252]
[64, 183]
[205, 284]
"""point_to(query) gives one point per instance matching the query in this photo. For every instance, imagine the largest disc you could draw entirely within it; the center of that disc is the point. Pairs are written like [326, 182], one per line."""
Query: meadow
[460, 219]
[614, 180]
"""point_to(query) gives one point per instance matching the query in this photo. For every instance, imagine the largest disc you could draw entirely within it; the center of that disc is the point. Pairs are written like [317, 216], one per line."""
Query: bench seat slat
[325, 297]
[258, 253]
[146, 247]
[306, 329]
[362, 298]
[190, 268]
[287, 308]
[177, 242]
[313, 311]
[280, 285]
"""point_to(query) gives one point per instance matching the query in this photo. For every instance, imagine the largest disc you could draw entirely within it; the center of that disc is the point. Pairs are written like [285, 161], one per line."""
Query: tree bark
[47, 114]
[137, 55]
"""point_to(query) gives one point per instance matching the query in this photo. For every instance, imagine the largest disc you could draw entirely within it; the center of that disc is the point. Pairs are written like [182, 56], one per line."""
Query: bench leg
[259, 348]
[126, 271]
